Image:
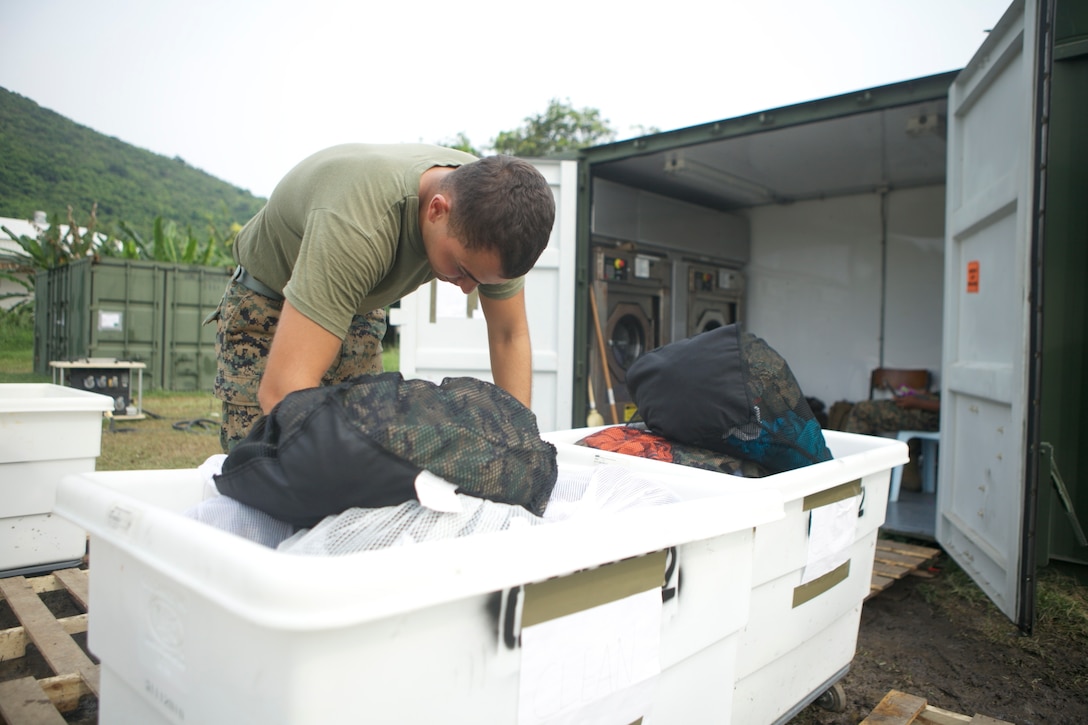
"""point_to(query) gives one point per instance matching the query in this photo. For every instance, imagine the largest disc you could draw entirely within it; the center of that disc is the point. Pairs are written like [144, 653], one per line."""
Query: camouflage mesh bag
[362, 444]
[729, 391]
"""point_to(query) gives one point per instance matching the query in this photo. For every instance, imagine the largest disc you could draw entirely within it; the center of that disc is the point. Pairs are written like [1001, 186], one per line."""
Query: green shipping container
[149, 312]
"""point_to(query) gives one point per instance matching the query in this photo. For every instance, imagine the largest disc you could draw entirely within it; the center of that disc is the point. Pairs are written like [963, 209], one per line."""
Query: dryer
[632, 289]
[715, 297]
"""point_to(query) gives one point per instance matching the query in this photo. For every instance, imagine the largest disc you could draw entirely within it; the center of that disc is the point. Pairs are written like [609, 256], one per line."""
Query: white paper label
[831, 534]
[596, 667]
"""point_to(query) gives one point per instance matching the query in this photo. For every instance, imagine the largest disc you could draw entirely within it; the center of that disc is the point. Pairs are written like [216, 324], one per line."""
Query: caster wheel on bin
[834, 699]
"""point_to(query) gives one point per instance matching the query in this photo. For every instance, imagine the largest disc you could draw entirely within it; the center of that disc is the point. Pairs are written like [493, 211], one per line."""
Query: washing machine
[632, 294]
[715, 297]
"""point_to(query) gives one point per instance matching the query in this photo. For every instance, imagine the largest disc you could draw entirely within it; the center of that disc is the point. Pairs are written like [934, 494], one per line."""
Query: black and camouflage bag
[363, 443]
[727, 390]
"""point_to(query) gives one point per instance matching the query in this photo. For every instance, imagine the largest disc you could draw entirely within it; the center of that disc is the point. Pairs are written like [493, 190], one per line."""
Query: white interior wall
[815, 287]
[634, 215]
[915, 280]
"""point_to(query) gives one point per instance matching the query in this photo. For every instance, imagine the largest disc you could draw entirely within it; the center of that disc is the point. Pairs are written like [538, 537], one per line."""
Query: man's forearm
[512, 367]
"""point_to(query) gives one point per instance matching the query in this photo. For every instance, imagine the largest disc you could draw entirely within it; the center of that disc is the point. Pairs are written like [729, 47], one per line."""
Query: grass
[17, 347]
[181, 429]
[1061, 613]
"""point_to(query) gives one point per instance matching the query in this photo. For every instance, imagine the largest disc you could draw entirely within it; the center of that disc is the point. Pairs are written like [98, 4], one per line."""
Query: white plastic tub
[46, 432]
[801, 635]
[629, 615]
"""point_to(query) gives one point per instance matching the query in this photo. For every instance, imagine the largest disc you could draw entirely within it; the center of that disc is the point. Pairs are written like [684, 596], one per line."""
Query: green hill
[50, 163]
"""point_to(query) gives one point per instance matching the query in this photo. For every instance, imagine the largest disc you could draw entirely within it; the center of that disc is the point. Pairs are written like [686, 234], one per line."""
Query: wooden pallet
[30, 700]
[895, 560]
[899, 708]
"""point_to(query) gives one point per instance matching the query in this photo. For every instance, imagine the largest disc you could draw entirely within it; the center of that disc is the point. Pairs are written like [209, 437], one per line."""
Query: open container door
[986, 495]
[443, 332]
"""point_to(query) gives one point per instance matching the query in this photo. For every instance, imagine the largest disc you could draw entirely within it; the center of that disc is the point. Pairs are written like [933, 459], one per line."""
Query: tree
[561, 128]
[461, 143]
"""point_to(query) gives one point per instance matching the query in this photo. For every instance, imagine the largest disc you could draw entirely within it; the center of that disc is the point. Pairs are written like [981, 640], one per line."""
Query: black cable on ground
[201, 423]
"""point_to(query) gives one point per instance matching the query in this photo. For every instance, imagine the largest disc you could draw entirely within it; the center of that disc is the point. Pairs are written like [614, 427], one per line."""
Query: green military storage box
[149, 312]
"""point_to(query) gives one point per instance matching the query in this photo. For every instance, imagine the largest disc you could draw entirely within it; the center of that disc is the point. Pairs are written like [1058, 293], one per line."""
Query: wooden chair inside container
[891, 379]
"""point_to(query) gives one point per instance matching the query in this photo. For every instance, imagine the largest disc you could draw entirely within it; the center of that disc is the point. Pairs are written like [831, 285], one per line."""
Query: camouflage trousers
[245, 324]
[877, 416]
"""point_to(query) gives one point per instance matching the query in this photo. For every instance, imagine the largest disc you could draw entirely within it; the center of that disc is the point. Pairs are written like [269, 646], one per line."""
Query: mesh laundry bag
[577, 493]
[604, 489]
[727, 390]
[359, 529]
[471, 433]
[363, 443]
[232, 516]
[236, 518]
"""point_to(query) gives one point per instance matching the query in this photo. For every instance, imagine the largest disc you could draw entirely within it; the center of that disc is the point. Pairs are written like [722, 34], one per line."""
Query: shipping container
[934, 223]
[136, 311]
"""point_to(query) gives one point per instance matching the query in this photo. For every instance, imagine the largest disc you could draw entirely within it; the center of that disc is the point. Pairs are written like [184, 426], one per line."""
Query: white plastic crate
[801, 635]
[193, 624]
[46, 432]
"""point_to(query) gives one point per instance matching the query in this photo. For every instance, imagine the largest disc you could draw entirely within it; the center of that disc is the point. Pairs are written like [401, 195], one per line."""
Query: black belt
[247, 280]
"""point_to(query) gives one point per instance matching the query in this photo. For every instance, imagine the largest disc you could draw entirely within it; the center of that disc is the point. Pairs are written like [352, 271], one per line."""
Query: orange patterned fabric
[632, 442]
[635, 440]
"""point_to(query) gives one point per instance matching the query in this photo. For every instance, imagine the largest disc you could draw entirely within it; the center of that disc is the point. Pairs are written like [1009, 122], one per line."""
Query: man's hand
[302, 351]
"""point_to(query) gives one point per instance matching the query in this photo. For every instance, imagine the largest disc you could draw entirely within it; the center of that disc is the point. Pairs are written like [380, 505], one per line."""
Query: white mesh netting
[232, 516]
[235, 517]
[578, 492]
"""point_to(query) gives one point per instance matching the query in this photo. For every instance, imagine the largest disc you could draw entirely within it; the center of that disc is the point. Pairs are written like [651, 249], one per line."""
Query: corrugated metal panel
[61, 295]
[125, 317]
[192, 294]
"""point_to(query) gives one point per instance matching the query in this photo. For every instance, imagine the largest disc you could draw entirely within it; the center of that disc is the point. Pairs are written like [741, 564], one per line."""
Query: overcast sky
[244, 89]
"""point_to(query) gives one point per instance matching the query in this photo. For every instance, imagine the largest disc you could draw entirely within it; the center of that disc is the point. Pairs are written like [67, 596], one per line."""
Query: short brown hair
[502, 203]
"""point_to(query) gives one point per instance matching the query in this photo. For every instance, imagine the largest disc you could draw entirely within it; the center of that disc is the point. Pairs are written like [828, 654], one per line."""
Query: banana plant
[57, 245]
[168, 244]
[24, 297]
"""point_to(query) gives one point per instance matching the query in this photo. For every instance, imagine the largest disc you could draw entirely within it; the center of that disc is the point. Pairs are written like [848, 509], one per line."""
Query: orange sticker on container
[972, 277]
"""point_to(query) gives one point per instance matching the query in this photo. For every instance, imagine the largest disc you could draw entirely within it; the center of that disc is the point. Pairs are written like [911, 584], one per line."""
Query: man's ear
[438, 207]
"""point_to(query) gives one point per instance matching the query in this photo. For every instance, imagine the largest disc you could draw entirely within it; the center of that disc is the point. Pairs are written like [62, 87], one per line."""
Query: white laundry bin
[46, 432]
[617, 617]
[802, 628]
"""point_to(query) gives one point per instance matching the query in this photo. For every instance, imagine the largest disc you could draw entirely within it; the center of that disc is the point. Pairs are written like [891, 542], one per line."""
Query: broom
[594, 419]
[604, 355]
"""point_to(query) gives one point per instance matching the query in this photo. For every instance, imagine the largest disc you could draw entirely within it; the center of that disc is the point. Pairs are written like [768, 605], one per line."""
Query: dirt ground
[941, 640]
[937, 638]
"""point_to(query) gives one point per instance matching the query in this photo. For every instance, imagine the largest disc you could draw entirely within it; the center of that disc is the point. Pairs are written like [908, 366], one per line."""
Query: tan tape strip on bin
[818, 586]
[831, 495]
[583, 590]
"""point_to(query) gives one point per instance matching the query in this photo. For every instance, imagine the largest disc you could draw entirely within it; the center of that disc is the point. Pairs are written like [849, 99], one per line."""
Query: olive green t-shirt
[340, 233]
